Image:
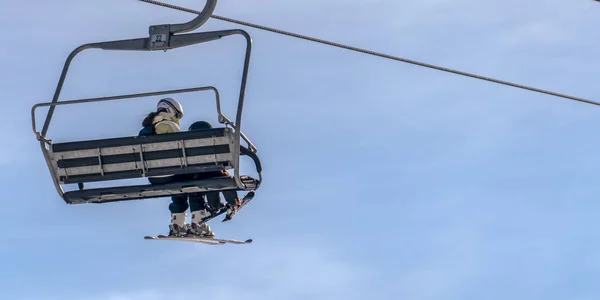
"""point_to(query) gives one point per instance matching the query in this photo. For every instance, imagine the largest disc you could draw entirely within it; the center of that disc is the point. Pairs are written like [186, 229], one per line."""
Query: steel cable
[383, 55]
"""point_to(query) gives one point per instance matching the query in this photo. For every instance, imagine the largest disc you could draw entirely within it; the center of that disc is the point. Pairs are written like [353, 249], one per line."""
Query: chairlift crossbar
[223, 119]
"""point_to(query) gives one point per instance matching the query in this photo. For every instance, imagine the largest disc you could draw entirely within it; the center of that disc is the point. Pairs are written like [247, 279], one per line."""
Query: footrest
[137, 192]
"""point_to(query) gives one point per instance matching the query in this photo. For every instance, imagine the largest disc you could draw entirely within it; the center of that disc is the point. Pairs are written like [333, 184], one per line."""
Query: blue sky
[382, 179]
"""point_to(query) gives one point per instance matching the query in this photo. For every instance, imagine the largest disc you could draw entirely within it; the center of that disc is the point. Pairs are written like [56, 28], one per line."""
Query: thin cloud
[282, 270]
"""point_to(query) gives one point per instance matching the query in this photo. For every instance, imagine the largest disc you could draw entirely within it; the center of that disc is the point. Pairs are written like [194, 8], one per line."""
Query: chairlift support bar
[166, 37]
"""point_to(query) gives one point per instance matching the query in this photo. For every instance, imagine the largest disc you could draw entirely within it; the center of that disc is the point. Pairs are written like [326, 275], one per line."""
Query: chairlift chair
[102, 160]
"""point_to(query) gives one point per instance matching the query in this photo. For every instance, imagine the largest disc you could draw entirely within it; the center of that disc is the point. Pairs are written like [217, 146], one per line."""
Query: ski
[223, 210]
[198, 239]
[244, 201]
[211, 240]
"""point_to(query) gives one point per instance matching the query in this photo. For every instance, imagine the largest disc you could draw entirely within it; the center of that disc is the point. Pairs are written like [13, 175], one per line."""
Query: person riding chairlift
[214, 203]
[165, 120]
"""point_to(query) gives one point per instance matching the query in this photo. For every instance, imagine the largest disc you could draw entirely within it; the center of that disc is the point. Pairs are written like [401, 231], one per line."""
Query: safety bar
[119, 97]
[140, 44]
[225, 120]
[140, 95]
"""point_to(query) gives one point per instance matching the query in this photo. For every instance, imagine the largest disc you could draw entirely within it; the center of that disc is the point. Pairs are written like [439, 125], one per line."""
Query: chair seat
[136, 192]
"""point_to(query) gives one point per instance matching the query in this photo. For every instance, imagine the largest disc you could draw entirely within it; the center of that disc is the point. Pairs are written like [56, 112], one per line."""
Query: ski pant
[214, 199]
[179, 204]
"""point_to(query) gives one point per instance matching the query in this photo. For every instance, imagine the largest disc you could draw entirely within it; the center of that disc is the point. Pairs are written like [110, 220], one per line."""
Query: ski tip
[249, 241]
[248, 197]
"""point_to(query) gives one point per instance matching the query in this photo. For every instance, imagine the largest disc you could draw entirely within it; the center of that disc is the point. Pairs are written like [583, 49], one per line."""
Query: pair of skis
[198, 239]
[210, 240]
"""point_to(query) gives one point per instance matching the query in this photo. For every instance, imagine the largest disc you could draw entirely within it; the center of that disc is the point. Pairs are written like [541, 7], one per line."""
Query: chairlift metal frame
[161, 37]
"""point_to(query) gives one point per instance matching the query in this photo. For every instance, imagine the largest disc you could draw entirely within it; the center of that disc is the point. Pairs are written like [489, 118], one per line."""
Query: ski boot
[198, 227]
[178, 226]
[214, 211]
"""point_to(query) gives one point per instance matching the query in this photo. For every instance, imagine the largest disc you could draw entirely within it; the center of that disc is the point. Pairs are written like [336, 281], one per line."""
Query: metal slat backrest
[143, 156]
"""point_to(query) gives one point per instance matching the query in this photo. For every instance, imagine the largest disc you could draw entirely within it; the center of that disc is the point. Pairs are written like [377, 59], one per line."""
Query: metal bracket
[144, 169]
[100, 161]
[66, 172]
[183, 159]
[160, 35]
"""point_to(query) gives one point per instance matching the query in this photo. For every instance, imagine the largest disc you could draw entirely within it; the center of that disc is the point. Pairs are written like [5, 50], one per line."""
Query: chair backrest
[143, 156]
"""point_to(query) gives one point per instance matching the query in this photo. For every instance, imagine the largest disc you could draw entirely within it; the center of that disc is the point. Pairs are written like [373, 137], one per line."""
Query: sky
[381, 179]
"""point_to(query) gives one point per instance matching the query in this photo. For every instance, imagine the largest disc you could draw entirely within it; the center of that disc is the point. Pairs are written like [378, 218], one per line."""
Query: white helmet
[171, 106]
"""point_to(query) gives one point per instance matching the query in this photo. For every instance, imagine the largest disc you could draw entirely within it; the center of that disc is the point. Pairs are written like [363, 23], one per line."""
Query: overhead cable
[383, 55]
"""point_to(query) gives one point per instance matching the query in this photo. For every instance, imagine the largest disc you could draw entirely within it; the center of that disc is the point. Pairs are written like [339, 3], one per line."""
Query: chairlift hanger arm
[198, 21]
[162, 37]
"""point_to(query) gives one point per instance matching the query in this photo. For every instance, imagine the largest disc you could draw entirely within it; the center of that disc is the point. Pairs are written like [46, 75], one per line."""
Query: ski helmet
[171, 106]
[200, 125]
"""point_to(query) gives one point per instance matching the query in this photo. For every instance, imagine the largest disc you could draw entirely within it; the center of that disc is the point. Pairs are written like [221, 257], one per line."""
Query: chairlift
[102, 160]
